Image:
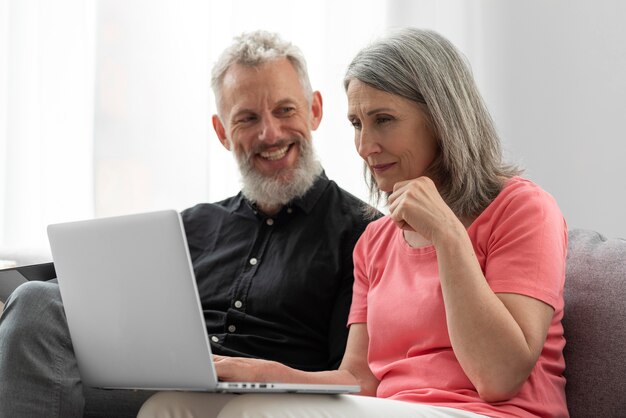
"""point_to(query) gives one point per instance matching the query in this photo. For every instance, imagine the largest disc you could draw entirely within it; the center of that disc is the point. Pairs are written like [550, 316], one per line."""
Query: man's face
[265, 115]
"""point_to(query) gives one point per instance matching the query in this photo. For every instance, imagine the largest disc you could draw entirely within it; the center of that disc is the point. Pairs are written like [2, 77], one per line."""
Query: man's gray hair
[254, 49]
[426, 68]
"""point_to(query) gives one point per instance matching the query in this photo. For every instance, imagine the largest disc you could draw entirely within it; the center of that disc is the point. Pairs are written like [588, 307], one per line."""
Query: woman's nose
[366, 145]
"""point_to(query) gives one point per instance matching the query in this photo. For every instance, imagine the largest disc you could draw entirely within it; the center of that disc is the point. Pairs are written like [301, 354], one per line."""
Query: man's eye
[356, 124]
[382, 119]
[246, 119]
[286, 110]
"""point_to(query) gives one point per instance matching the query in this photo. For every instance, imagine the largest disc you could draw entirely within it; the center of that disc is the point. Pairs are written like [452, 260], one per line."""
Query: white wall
[553, 74]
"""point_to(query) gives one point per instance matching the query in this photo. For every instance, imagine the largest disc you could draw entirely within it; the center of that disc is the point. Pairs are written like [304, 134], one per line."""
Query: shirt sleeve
[527, 247]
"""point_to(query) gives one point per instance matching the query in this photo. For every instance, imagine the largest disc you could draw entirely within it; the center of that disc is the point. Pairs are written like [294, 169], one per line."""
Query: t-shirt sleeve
[358, 309]
[527, 248]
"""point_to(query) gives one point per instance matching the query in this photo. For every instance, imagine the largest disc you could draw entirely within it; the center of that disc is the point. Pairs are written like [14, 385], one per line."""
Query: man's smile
[275, 154]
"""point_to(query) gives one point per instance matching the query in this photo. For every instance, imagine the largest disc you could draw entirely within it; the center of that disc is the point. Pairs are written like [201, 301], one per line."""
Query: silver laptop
[133, 308]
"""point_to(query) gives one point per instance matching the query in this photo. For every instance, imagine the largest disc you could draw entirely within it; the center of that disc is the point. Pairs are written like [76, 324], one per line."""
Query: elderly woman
[458, 293]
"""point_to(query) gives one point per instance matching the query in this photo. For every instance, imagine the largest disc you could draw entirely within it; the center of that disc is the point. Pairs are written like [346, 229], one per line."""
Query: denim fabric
[39, 376]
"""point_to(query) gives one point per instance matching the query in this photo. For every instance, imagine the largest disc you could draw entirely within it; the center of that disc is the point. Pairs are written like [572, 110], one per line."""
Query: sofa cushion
[595, 325]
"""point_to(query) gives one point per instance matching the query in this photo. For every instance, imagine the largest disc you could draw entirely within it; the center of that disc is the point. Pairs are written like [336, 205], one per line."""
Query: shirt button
[253, 261]
[232, 328]
[289, 210]
[215, 339]
[269, 221]
[238, 304]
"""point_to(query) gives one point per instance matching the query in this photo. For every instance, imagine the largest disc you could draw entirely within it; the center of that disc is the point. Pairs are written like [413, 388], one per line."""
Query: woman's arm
[497, 338]
[355, 360]
[352, 371]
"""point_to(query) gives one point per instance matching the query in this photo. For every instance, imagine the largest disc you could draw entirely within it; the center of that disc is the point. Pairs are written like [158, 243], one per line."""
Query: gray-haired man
[273, 263]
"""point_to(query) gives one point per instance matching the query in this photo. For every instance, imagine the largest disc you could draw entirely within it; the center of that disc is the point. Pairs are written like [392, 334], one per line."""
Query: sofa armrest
[595, 326]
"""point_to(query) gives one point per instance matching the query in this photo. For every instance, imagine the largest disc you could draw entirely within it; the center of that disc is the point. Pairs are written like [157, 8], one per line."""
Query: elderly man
[273, 263]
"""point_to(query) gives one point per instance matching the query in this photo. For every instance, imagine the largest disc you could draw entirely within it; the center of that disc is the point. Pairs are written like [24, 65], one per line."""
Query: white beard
[285, 185]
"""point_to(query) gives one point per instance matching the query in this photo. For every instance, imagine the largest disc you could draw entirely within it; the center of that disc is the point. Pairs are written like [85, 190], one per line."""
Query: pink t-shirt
[520, 240]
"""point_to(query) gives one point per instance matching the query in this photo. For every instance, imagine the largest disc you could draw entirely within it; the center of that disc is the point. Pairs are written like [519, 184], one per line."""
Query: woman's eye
[382, 119]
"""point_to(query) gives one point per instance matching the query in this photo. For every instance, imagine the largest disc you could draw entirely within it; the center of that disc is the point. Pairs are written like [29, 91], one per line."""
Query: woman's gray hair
[426, 68]
[254, 49]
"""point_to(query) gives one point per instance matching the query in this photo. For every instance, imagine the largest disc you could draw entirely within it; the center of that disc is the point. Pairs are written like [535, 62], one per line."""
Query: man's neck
[269, 210]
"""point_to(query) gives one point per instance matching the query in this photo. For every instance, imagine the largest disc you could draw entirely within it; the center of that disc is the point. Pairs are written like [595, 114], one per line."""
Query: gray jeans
[38, 372]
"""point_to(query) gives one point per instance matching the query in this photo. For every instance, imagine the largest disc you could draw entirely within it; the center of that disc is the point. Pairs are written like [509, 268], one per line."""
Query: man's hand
[233, 369]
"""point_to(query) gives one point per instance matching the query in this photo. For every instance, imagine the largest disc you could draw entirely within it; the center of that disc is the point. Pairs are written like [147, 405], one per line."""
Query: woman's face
[392, 134]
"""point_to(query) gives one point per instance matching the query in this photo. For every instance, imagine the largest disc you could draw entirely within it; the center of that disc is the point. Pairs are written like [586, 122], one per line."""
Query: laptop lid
[131, 302]
[133, 309]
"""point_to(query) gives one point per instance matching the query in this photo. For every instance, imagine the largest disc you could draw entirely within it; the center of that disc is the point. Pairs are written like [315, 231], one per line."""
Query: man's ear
[220, 131]
[316, 110]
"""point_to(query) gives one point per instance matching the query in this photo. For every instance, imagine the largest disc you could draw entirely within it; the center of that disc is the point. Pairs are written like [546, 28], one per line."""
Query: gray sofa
[594, 323]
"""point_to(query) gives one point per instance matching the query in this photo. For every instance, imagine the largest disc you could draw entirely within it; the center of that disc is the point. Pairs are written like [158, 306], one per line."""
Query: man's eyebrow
[281, 102]
[285, 101]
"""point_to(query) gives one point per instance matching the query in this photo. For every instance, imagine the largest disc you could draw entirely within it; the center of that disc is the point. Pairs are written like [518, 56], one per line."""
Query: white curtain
[155, 146]
[46, 113]
[106, 105]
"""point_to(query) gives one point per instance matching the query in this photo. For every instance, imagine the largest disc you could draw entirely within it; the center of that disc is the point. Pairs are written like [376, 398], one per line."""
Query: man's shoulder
[344, 213]
[349, 204]
[203, 210]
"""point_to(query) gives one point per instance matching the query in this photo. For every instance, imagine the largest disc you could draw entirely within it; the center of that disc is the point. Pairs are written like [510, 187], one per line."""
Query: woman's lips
[379, 168]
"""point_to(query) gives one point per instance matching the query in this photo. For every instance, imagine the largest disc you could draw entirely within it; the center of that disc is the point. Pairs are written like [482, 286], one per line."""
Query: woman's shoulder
[524, 191]
[521, 197]
[520, 185]
[379, 231]
[380, 225]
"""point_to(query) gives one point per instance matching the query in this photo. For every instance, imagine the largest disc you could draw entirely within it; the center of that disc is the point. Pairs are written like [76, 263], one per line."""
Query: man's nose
[270, 129]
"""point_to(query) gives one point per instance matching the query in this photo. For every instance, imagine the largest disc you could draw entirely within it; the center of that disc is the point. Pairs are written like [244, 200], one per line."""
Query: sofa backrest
[595, 325]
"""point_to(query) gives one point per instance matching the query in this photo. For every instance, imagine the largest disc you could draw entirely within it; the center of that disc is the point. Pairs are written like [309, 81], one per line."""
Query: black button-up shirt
[277, 287]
